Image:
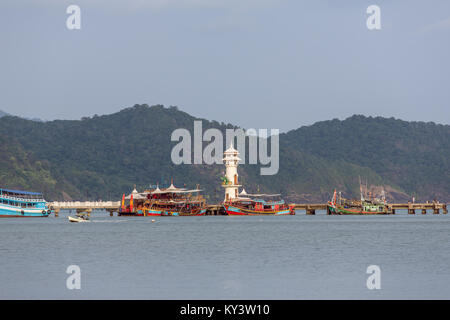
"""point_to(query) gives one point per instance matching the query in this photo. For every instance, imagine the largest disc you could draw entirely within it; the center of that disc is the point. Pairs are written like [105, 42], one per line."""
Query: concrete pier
[436, 207]
[85, 206]
[217, 209]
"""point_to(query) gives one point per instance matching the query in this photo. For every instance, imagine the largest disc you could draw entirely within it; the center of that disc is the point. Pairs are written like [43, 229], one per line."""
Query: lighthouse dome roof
[231, 150]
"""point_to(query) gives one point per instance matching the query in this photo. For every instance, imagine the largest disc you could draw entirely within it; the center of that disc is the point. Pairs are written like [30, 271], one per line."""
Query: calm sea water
[288, 257]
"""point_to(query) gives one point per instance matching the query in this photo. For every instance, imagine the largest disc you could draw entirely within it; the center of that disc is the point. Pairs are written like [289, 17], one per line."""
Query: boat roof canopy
[258, 195]
[136, 196]
[21, 192]
[177, 190]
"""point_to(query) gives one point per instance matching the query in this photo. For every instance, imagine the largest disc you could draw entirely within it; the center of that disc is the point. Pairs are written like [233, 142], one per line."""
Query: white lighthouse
[232, 185]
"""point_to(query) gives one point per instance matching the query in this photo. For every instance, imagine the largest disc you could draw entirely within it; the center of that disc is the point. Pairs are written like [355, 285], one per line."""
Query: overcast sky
[254, 63]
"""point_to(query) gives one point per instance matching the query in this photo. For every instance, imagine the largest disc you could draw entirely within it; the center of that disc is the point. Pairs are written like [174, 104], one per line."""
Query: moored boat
[133, 203]
[15, 203]
[247, 204]
[257, 205]
[174, 201]
[358, 207]
[171, 201]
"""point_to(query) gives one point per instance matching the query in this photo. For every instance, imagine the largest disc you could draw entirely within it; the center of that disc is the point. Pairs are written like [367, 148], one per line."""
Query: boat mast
[367, 189]
[360, 190]
[383, 195]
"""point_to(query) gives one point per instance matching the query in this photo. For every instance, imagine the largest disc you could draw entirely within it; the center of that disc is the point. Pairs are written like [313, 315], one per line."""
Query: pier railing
[84, 206]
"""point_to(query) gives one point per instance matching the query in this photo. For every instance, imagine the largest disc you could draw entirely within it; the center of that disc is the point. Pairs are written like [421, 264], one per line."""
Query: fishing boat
[364, 206]
[133, 203]
[174, 201]
[257, 204]
[247, 204]
[171, 201]
[15, 203]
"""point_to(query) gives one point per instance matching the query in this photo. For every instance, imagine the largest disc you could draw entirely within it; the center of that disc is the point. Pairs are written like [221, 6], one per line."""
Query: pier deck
[435, 207]
[86, 206]
[217, 209]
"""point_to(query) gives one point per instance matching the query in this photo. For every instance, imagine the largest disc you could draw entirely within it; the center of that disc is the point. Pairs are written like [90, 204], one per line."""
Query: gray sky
[254, 63]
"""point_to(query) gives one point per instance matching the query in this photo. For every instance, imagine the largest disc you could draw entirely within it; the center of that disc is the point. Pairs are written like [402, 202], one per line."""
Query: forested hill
[2, 113]
[412, 155]
[105, 156]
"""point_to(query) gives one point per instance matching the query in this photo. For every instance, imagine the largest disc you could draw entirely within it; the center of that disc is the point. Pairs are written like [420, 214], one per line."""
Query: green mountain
[105, 156]
[414, 156]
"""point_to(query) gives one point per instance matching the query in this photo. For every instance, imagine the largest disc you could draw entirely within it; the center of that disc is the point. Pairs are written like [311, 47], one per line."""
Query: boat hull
[72, 219]
[236, 211]
[332, 210]
[166, 213]
[202, 212]
[153, 213]
[15, 212]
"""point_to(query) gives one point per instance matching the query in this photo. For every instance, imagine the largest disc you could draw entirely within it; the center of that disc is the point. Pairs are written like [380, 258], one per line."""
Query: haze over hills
[105, 156]
[4, 114]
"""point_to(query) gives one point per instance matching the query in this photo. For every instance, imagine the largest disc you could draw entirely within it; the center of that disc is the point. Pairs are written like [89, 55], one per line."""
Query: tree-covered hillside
[412, 155]
[104, 156]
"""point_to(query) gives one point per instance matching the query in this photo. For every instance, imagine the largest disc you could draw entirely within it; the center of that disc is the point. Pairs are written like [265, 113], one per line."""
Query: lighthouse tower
[231, 160]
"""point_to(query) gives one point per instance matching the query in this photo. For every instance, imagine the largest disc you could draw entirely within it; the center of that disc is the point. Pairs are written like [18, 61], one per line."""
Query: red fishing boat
[247, 204]
[257, 204]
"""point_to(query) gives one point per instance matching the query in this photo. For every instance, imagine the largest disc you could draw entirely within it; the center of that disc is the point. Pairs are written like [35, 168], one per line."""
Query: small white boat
[79, 219]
